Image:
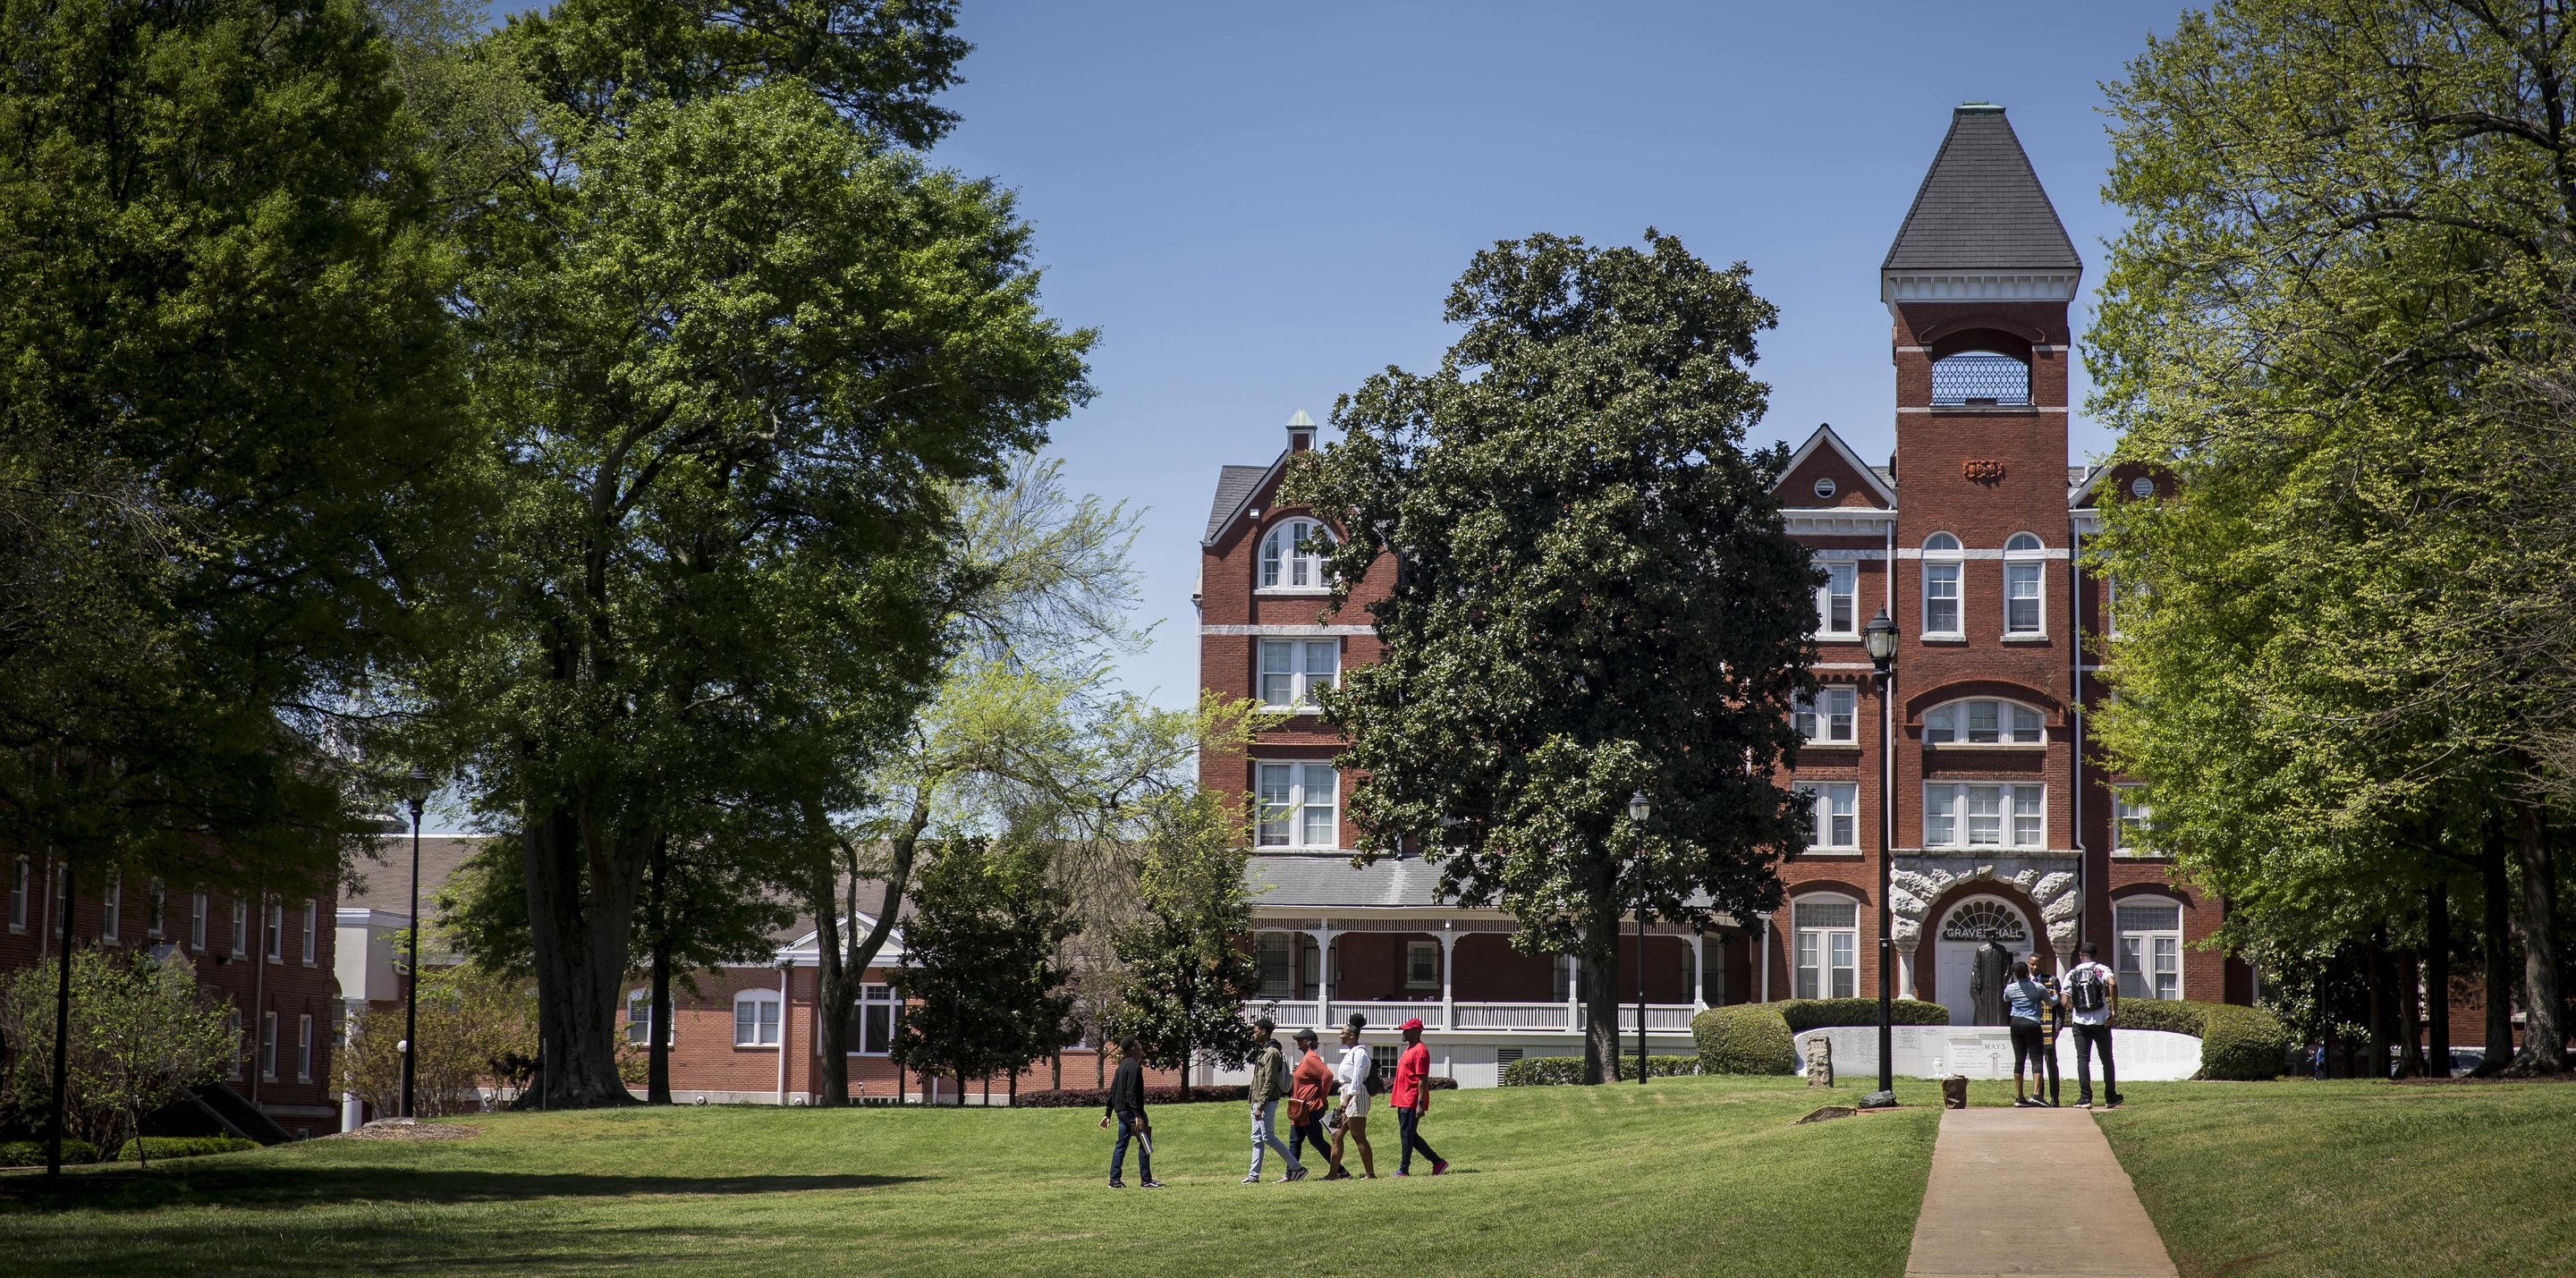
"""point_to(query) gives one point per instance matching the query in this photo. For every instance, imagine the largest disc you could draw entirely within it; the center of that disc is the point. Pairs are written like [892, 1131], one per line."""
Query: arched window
[2025, 566]
[1284, 566]
[1985, 721]
[2149, 929]
[1944, 585]
[1825, 936]
[755, 1018]
[1978, 378]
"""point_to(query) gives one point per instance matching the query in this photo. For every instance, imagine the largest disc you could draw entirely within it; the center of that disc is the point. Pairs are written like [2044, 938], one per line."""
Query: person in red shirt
[1411, 1096]
[1306, 1100]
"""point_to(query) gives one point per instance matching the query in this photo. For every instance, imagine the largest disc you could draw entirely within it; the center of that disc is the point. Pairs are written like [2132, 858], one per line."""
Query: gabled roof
[2085, 488]
[1879, 482]
[1980, 206]
[1235, 486]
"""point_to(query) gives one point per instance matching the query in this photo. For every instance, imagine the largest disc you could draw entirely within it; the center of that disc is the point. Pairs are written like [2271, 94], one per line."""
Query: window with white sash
[879, 1010]
[1826, 716]
[111, 909]
[197, 922]
[1274, 960]
[1291, 670]
[304, 1047]
[1985, 722]
[1944, 571]
[1300, 804]
[2150, 936]
[1833, 815]
[2025, 569]
[1985, 815]
[2130, 821]
[1826, 933]
[639, 1019]
[21, 887]
[1284, 566]
[755, 1018]
[1838, 601]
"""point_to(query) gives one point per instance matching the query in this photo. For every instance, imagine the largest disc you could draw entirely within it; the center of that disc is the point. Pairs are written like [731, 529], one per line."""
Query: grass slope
[2353, 1178]
[1700, 1174]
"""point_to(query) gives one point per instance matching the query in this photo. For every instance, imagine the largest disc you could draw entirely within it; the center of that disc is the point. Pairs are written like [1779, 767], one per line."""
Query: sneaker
[2023, 1102]
[2115, 1105]
[2084, 1103]
[1438, 1167]
[1296, 1173]
[1337, 1174]
[1118, 1184]
[1253, 1179]
[1154, 1184]
[1404, 1173]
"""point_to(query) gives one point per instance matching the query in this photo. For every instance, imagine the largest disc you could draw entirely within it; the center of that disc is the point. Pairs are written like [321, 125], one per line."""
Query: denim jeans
[1131, 1125]
[1310, 1130]
[2088, 1037]
[1264, 1133]
[1409, 1121]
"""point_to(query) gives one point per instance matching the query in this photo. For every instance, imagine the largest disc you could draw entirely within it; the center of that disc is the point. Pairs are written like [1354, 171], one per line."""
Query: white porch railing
[1543, 1018]
[1288, 1013]
[1659, 1017]
[1387, 1016]
[1513, 1016]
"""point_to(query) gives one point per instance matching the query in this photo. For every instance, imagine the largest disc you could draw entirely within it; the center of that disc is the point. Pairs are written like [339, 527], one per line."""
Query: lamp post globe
[1878, 638]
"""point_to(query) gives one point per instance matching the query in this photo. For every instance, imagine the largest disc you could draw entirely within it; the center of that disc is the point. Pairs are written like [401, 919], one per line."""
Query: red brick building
[2006, 827]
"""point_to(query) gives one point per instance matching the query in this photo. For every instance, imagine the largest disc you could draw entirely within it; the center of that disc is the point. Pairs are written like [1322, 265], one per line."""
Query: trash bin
[1954, 1092]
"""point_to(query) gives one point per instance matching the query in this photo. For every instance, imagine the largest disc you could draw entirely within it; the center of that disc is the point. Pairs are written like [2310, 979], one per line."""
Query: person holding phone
[1127, 1109]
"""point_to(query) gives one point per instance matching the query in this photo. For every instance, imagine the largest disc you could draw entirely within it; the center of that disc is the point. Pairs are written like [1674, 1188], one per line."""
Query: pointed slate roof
[1981, 207]
[1234, 486]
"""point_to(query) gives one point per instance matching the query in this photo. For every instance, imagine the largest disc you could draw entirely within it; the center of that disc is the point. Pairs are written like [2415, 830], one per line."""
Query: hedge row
[182, 1147]
[31, 1153]
[1559, 1071]
[1096, 1097]
[1761, 1038]
[2243, 1044]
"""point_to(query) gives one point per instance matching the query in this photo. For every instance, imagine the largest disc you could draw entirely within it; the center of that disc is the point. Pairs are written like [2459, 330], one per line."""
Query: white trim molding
[1289, 632]
[1916, 552]
[1968, 286]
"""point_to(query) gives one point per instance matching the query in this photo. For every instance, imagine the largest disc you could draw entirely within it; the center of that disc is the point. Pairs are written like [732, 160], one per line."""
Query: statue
[1820, 1061]
[1986, 982]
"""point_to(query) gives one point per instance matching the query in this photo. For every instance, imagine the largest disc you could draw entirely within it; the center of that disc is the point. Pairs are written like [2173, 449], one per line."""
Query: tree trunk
[657, 1052]
[2410, 1014]
[841, 970]
[2437, 979]
[832, 992]
[2544, 1038]
[2381, 1037]
[2497, 904]
[1600, 952]
[581, 914]
[961, 1087]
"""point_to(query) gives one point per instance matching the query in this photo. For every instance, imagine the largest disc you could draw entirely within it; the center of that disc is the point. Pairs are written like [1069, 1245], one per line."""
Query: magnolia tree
[474, 1024]
[143, 1032]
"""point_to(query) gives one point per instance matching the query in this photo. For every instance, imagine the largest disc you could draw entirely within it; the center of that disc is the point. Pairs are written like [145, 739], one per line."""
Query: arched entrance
[1971, 923]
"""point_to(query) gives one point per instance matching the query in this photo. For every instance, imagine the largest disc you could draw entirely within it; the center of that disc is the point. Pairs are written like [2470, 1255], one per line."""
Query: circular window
[2142, 487]
[1825, 488]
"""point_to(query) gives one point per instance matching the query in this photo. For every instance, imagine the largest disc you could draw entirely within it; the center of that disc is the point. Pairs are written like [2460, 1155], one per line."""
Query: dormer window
[1284, 565]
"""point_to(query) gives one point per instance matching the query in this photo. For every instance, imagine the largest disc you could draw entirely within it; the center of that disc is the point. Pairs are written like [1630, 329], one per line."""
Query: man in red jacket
[1411, 1096]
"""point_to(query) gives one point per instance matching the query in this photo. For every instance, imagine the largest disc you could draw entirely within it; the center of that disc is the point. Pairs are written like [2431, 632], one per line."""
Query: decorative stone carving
[1980, 471]
[1820, 1062]
[1915, 889]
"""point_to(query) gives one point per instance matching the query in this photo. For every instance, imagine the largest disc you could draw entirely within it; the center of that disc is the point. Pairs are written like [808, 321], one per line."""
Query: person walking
[2093, 1000]
[1307, 1084]
[1127, 1108]
[1357, 1076]
[2052, 1018]
[1270, 1085]
[1412, 1098]
[2023, 998]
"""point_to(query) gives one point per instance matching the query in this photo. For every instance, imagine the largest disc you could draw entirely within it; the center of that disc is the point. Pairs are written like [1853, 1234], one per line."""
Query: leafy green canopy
[228, 420]
[1184, 972]
[985, 992]
[1594, 595]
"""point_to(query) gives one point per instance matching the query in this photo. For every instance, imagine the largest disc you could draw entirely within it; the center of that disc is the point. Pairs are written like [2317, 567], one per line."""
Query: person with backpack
[1412, 1097]
[2052, 1018]
[2024, 1000]
[1127, 1107]
[1358, 1077]
[1307, 1085]
[2093, 999]
[1270, 1085]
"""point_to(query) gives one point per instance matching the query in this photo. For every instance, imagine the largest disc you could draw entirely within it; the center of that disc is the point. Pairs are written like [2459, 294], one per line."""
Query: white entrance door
[1970, 924]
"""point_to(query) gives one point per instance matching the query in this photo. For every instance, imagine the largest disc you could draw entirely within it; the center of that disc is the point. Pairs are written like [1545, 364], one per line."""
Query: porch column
[1323, 973]
[1699, 976]
[1448, 999]
[1573, 993]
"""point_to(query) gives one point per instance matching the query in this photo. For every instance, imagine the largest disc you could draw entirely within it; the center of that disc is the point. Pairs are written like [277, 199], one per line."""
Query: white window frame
[1285, 571]
[2025, 565]
[241, 927]
[304, 1047]
[241, 1043]
[312, 929]
[1957, 719]
[111, 910]
[1293, 689]
[1944, 561]
[2134, 964]
[1297, 811]
[1842, 586]
[22, 880]
[1414, 954]
[876, 999]
[767, 1018]
[1824, 957]
[1818, 715]
[273, 912]
[156, 909]
[268, 1047]
[1953, 811]
[1274, 963]
[1833, 815]
[642, 1000]
[2129, 819]
[197, 922]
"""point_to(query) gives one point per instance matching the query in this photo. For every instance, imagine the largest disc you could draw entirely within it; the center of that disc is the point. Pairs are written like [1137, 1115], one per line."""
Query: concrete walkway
[2004, 1193]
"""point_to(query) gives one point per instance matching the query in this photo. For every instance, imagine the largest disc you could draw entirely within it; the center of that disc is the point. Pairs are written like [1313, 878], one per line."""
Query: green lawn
[2352, 1178]
[1701, 1174]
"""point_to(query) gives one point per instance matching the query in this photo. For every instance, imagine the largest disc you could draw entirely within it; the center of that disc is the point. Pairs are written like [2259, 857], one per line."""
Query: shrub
[182, 1147]
[1748, 1038]
[1557, 1071]
[2242, 1044]
[31, 1153]
[1804, 1014]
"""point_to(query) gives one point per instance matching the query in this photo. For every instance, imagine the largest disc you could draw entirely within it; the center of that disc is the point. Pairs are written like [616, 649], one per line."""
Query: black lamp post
[1879, 638]
[415, 793]
[1638, 811]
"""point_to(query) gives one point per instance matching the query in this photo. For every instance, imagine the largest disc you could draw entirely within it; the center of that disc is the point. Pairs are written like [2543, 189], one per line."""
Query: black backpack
[1370, 1082]
[2084, 989]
